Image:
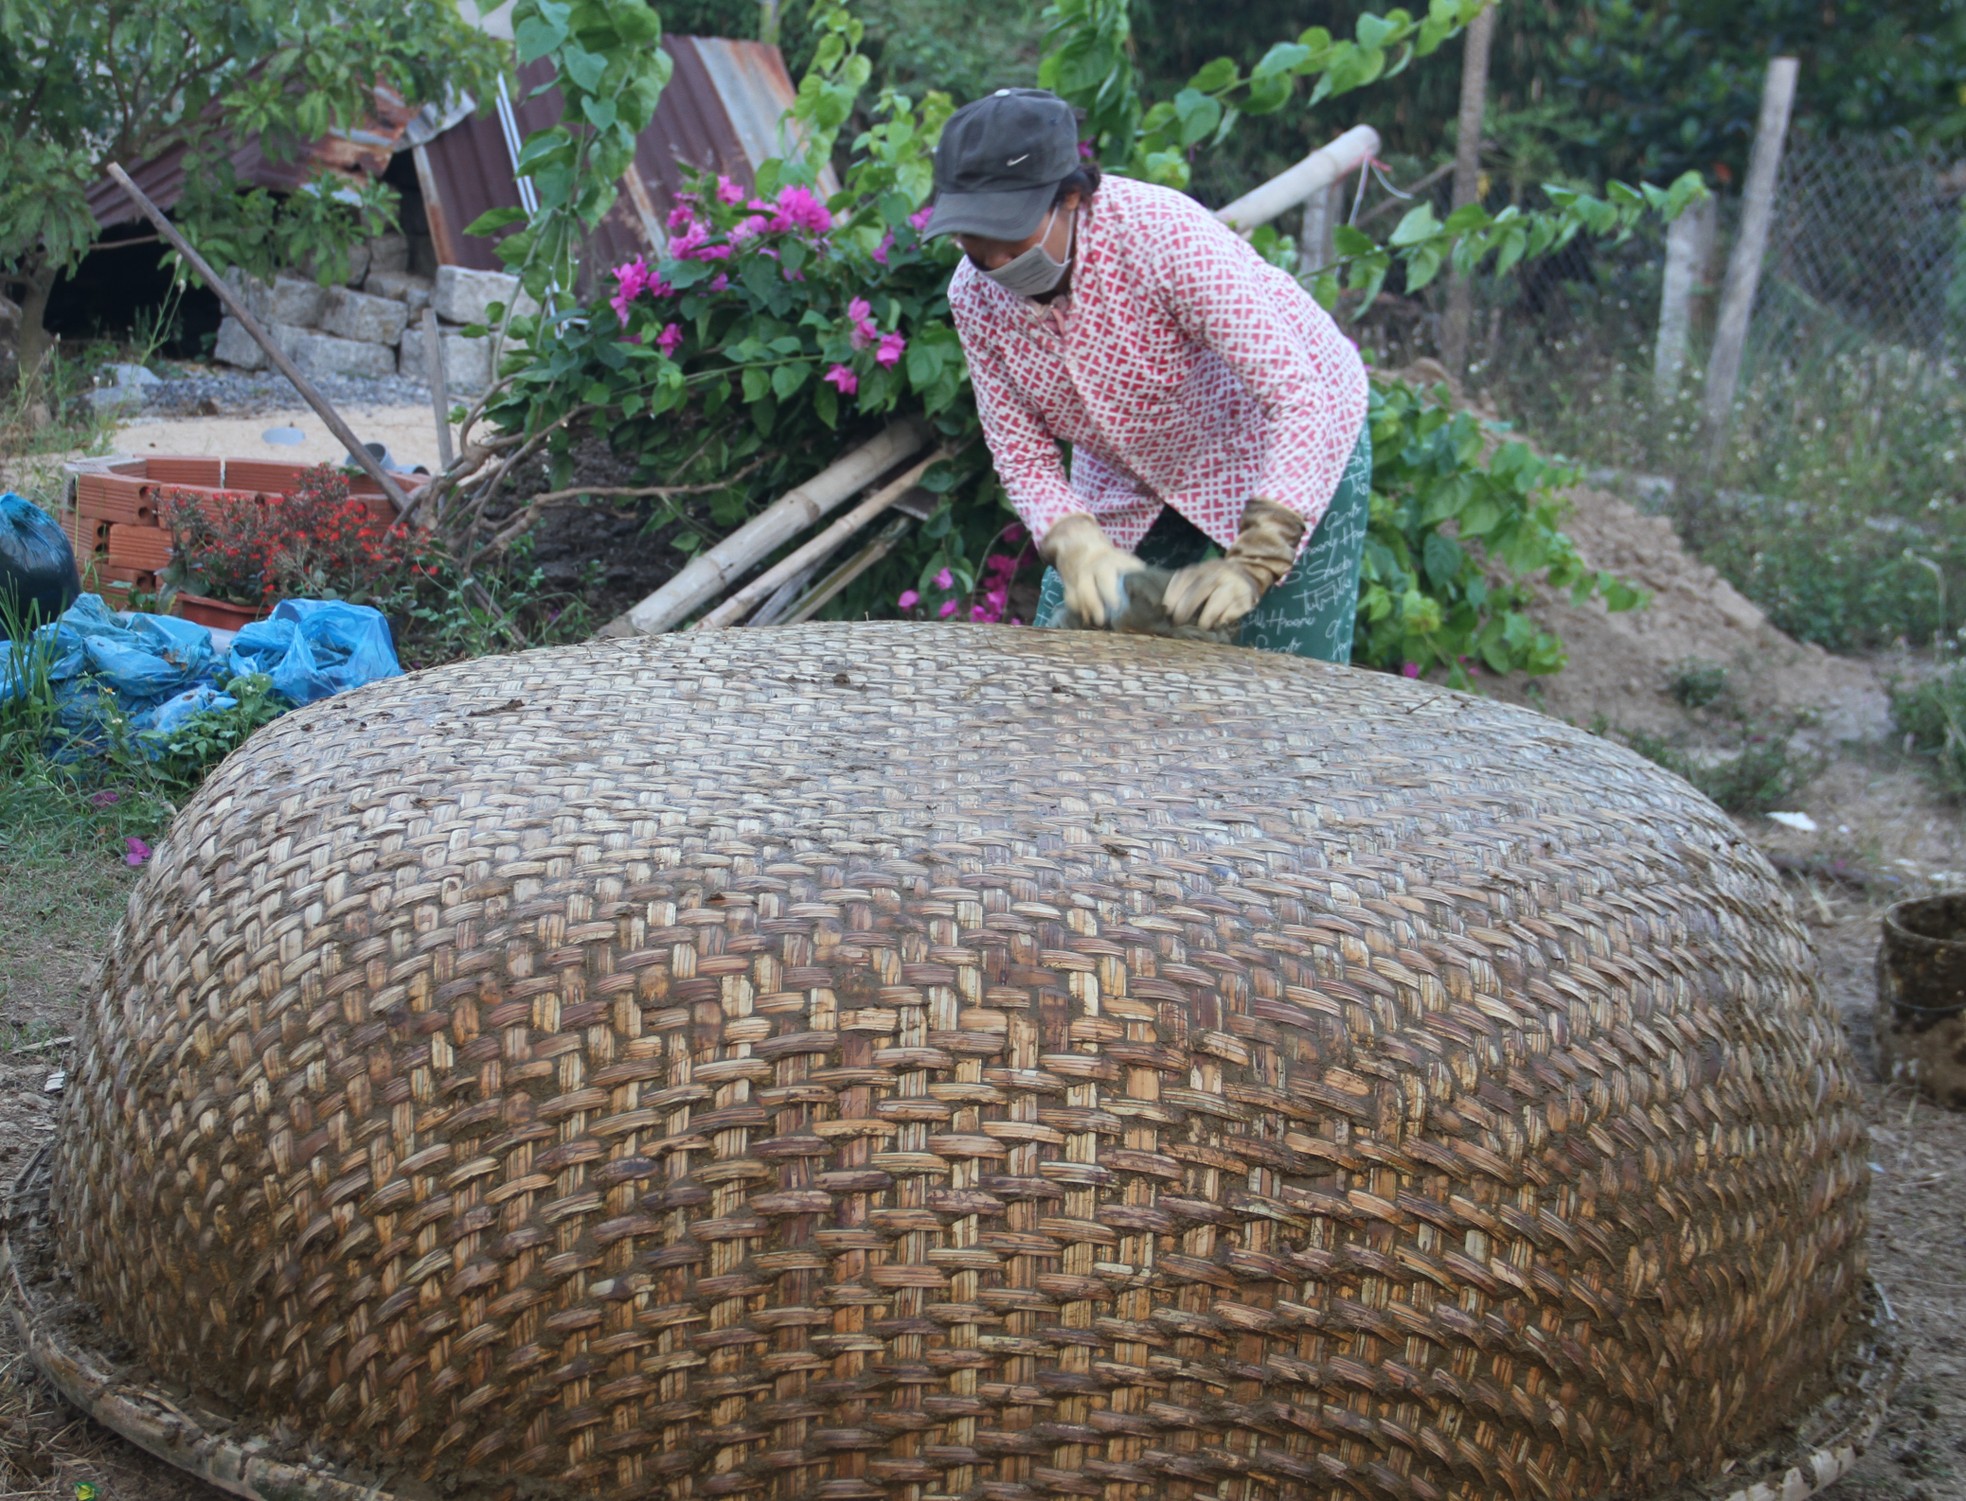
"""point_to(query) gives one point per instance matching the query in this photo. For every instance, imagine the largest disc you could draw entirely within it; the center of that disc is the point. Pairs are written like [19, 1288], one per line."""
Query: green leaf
[491, 221]
[1418, 224]
[1215, 76]
[1284, 57]
[1478, 519]
[1199, 114]
[1348, 241]
[787, 379]
[583, 67]
[1422, 267]
[535, 37]
[1442, 559]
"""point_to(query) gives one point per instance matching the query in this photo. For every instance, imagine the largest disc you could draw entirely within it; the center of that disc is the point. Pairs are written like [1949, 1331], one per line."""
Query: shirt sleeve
[1027, 457]
[1305, 374]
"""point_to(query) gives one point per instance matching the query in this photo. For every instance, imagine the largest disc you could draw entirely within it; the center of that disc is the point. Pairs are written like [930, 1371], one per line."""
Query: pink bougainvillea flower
[135, 851]
[799, 208]
[748, 228]
[719, 282]
[881, 250]
[1085, 151]
[860, 312]
[681, 219]
[728, 191]
[920, 217]
[844, 378]
[889, 354]
[908, 599]
[669, 340]
[948, 609]
[1014, 532]
[945, 580]
[1411, 670]
[104, 799]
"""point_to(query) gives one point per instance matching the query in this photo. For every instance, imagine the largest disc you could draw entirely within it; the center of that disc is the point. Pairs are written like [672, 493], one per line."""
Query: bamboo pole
[1289, 188]
[440, 396]
[712, 572]
[835, 583]
[734, 609]
[345, 434]
[1744, 265]
[1467, 185]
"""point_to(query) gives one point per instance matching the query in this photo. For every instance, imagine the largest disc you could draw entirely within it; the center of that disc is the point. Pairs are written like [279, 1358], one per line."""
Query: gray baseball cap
[999, 164]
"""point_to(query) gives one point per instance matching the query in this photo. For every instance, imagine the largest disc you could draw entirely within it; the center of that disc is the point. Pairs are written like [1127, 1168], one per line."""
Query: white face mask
[1034, 272]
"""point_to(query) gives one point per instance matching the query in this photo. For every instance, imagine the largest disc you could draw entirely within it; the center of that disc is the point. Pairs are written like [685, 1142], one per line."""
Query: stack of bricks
[115, 522]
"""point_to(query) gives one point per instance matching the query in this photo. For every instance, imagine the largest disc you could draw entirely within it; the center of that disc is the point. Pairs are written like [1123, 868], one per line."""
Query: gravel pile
[194, 391]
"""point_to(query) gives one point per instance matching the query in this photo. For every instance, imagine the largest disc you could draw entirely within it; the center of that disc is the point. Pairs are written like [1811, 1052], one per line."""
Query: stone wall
[373, 326]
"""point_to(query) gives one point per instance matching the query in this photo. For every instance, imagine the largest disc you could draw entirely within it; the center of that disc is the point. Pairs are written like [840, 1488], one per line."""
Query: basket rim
[211, 1446]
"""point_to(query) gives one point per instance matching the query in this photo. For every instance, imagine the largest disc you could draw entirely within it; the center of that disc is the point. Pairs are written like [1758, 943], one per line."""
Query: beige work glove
[1090, 567]
[1219, 593]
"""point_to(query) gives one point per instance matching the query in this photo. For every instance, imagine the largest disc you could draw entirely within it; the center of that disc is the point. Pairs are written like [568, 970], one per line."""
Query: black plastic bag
[37, 566]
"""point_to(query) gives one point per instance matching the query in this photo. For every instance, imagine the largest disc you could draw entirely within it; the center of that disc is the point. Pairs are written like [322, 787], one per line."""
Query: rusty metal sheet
[363, 151]
[721, 111]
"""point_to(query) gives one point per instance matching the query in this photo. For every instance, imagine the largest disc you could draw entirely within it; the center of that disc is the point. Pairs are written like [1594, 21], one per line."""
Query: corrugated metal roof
[723, 111]
[363, 150]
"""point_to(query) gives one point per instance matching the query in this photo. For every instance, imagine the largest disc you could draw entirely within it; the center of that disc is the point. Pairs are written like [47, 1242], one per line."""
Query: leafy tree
[120, 80]
[1590, 88]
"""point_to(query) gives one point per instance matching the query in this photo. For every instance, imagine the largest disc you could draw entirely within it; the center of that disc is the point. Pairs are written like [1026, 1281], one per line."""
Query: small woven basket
[894, 1063]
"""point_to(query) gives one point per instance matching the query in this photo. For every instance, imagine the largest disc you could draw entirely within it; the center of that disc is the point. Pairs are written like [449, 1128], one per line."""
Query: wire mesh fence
[1867, 248]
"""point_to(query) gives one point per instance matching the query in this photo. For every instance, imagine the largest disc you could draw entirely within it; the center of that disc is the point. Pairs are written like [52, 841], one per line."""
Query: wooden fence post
[1323, 213]
[1744, 265]
[1467, 184]
[1689, 251]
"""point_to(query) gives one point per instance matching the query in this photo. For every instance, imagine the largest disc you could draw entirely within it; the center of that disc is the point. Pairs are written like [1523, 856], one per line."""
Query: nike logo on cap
[1016, 159]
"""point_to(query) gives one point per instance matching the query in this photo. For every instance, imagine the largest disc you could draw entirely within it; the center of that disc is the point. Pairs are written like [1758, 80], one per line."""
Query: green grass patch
[1836, 493]
[1932, 718]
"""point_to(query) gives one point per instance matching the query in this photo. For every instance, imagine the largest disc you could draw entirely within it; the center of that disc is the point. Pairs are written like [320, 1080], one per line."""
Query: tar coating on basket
[704, 1079]
[1921, 997]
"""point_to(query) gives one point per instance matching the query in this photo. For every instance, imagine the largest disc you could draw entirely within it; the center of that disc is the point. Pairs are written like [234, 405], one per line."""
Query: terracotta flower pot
[218, 614]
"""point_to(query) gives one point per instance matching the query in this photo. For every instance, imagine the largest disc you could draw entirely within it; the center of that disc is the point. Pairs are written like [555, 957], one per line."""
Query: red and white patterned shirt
[1182, 367]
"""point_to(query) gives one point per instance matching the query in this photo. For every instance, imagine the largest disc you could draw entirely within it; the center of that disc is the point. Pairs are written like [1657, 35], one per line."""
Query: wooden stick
[734, 609]
[835, 582]
[440, 396]
[1744, 267]
[784, 597]
[709, 574]
[1467, 186]
[356, 451]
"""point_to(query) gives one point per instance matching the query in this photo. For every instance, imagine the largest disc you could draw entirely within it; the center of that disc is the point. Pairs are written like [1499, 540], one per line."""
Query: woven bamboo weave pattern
[873, 1062]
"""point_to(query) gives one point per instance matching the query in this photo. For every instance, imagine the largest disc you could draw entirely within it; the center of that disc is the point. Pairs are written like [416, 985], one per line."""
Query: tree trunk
[34, 342]
[1467, 185]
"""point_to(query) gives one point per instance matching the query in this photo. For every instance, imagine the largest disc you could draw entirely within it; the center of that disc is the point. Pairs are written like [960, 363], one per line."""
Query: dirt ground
[409, 433]
[1882, 834]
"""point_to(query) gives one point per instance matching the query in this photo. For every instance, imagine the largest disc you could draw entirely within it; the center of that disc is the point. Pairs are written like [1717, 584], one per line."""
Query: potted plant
[221, 545]
[234, 554]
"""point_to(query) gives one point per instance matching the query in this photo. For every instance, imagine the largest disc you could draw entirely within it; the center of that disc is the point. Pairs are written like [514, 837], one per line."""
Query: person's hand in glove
[1089, 566]
[1221, 591]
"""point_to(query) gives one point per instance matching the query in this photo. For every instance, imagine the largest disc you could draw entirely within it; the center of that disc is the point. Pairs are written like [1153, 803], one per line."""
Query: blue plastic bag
[312, 648]
[159, 670]
[169, 716]
[141, 662]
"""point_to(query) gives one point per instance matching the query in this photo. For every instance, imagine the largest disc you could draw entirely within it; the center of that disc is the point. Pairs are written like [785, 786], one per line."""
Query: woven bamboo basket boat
[892, 1063]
